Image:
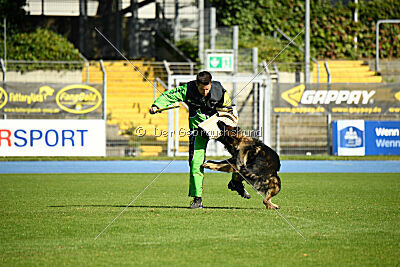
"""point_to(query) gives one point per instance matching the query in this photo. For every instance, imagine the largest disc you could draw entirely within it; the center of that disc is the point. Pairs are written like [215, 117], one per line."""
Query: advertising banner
[360, 99]
[359, 138]
[48, 99]
[52, 138]
[350, 138]
[383, 137]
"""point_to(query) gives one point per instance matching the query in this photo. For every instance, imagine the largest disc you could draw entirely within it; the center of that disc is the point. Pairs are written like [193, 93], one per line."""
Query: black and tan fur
[256, 163]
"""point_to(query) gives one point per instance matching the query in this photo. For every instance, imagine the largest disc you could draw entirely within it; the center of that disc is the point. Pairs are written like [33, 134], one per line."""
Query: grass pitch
[347, 219]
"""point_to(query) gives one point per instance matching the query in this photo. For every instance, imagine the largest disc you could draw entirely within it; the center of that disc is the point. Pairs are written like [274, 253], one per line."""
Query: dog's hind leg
[274, 188]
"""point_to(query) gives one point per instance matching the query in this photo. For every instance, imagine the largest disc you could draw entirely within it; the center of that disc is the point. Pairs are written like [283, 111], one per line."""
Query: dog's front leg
[222, 166]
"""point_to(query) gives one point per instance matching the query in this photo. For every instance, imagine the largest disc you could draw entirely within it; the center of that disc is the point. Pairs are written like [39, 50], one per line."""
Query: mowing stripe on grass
[133, 200]
[280, 214]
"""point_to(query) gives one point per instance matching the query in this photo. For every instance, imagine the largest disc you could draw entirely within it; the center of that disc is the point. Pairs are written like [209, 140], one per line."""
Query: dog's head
[233, 132]
[231, 136]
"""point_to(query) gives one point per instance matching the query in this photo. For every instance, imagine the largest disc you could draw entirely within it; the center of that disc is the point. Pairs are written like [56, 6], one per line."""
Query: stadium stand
[129, 97]
[346, 71]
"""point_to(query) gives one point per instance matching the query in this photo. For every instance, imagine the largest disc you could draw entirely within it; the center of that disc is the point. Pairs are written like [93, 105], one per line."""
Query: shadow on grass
[150, 206]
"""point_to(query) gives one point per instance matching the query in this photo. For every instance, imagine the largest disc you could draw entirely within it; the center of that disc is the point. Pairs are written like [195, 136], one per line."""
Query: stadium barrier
[300, 121]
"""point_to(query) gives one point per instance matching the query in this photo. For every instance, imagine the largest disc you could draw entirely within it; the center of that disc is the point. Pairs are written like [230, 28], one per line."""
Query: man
[203, 96]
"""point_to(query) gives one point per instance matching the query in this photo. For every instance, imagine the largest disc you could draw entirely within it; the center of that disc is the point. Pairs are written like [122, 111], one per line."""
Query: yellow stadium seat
[129, 96]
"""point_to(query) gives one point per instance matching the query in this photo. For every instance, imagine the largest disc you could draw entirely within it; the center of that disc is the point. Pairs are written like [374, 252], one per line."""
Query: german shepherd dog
[254, 162]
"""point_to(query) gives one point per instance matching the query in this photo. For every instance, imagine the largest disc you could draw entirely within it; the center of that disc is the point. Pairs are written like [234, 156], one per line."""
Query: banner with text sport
[52, 138]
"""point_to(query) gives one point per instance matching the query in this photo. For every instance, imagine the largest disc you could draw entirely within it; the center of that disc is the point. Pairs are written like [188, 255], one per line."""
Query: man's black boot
[238, 187]
[197, 203]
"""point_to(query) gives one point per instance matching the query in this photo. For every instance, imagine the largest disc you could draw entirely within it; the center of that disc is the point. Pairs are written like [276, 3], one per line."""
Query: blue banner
[383, 138]
[359, 138]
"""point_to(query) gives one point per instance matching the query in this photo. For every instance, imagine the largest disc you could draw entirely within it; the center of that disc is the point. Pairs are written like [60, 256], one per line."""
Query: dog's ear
[235, 132]
[221, 125]
[227, 130]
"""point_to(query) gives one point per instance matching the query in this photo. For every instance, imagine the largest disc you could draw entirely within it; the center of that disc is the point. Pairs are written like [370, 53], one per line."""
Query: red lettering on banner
[7, 137]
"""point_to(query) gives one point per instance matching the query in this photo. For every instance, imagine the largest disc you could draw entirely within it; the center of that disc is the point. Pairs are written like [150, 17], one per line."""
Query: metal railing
[377, 39]
[86, 65]
[328, 71]
[103, 70]
[3, 70]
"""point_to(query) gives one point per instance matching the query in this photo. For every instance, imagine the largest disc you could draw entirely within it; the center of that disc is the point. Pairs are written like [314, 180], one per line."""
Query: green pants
[197, 156]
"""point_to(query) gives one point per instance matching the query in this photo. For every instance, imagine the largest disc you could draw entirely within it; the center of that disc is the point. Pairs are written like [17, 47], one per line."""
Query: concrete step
[145, 122]
[156, 149]
[347, 75]
[344, 71]
[375, 79]
[347, 63]
[122, 75]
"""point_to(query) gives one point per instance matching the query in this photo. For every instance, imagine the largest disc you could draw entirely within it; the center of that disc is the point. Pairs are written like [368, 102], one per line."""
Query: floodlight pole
[201, 31]
[212, 27]
[235, 59]
[176, 23]
[5, 46]
[355, 20]
[307, 45]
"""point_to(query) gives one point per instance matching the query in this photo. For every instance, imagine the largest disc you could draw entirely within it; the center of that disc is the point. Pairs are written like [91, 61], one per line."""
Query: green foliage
[269, 47]
[42, 44]
[332, 26]
[189, 48]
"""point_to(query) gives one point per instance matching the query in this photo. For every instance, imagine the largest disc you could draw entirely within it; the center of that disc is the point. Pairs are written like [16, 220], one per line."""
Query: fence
[129, 95]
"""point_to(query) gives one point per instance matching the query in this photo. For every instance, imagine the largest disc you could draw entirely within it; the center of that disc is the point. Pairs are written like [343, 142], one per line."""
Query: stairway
[345, 71]
[129, 97]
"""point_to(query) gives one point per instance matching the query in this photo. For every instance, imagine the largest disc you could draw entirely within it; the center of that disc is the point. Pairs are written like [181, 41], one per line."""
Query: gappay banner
[46, 99]
[360, 98]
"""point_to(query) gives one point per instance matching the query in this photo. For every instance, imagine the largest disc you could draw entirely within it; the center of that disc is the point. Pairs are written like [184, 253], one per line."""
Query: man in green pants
[203, 96]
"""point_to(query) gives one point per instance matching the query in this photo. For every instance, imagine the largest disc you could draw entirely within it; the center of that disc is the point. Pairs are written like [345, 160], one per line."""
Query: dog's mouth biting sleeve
[210, 128]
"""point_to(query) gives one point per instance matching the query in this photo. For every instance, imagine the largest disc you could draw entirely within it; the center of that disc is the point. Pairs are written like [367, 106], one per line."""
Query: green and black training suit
[200, 108]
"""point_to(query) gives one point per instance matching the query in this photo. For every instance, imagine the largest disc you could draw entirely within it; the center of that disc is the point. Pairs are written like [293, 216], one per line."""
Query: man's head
[203, 82]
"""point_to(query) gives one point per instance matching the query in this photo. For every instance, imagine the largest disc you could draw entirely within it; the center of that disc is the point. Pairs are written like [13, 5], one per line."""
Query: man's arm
[169, 97]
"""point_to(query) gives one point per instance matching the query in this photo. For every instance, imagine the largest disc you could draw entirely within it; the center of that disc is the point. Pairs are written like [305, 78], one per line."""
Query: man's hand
[153, 110]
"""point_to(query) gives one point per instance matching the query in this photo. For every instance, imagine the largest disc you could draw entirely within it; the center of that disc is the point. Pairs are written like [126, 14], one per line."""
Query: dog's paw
[206, 165]
[272, 206]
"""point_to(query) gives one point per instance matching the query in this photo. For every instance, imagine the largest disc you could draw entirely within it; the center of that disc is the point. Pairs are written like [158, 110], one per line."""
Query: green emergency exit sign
[219, 62]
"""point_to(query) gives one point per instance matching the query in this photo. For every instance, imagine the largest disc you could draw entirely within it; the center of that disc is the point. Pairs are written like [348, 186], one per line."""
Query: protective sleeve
[172, 96]
[227, 100]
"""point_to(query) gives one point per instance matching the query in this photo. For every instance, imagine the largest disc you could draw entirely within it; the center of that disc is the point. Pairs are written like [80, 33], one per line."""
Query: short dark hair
[204, 77]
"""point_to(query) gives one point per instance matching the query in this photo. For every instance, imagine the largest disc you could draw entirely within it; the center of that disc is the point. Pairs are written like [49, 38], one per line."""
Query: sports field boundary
[292, 157]
[181, 166]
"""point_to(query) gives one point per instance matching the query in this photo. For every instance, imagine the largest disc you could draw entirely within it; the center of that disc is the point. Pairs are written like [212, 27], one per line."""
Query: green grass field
[347, 219]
